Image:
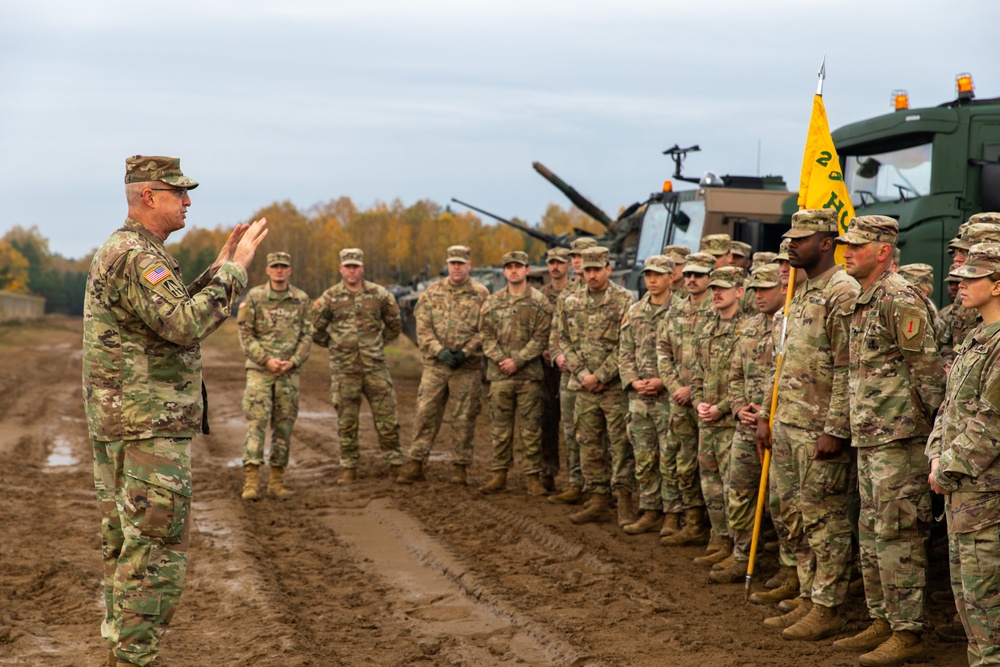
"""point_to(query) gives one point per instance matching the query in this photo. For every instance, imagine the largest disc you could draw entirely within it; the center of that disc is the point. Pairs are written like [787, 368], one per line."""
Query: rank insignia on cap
[157, 274]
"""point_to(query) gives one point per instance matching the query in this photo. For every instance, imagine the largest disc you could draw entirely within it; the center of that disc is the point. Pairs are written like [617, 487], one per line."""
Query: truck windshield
[654, 230]
[690, 222]
[900, 174]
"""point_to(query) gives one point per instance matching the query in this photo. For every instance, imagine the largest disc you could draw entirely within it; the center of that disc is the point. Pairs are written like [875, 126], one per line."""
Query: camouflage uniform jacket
[515, 327]
[676, 336]
[712, 362]
[966, 435]
[448, 317]
[275, 324]
[637, 350]
[942, 325]
[956, 328]
[142, 331]
[753, 363]
[896, 377]
[589, 332]
[356, 326]
[574, 285]
[812, 385]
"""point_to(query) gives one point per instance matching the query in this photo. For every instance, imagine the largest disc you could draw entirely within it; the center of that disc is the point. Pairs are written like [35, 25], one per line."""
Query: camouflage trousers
[144, 491]
[714, 443]
[893, 529]
[744, 488]
[606, 464]
[567, 423]
[786, 554]
[975, 581]
[648, 425]
[551, 426]
[274, 400]
[523, 399]
[813, 507]
[346, 391]
[464, 387]
[680, 485]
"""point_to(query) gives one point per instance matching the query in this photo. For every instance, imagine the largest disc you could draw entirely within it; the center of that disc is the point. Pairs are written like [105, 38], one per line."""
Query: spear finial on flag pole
[822, 76]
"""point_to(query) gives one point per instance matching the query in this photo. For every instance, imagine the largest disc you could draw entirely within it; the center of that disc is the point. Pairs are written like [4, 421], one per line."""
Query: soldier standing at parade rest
[649, 415]
[355, 319]
[588, 337]
[964, 465]
[558, 262]
[143, 394]
[276, 335]
[895, 383]
[514, 325]
[447, 315]
[811, 458]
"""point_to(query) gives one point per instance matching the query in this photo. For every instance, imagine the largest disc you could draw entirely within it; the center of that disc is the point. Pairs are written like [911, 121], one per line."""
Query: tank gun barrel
[550, 240]
[579, 200]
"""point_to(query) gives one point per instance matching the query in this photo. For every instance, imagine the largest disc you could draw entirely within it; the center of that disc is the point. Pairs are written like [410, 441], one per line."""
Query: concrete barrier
[15, 306]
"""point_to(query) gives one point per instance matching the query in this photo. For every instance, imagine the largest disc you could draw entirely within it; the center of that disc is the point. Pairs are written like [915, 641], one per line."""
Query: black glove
[458, 359]
[447, 357]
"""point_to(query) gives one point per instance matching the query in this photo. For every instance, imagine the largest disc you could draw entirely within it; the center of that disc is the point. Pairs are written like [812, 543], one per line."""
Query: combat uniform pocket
[159, 491]
[899, 497]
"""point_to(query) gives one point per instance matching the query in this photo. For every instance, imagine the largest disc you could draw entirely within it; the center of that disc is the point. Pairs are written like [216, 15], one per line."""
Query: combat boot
[778, 578]
[496, 484]
[394, 471]
[572, 495]
[791, 618]
[413, 471]
[594, 511]
[251, 481]
[535, 485]
[549, 482]
[871, 637]
[693, 531]
[112, 659]
[733, 574]
[649, 522]
[819, 623]
[458, 475]
[671, 524]
[347, 476]
[725, 548]
[726, 562]
[903, 645]
[626, 514]
[275, 485]
[788, 590]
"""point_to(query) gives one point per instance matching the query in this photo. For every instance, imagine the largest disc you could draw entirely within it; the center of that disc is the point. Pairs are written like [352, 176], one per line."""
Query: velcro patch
[156, 275]
[910, 325]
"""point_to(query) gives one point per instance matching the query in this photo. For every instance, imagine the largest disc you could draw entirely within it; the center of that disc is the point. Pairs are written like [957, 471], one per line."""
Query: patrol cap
[917, 274]
[596, 257]
[557, 255]
[870, 229]
[577, 246]
[515, 257]
[982, 232]
[658, 264]
[952, 279]
[146, 168]
[983, 261]
[276, 258]
[460, 253]
[959, 243]
[727, 276]
[716, 244]
[740, 248]
[782, 255]
[678, 253]
[760, 258]
[699, 262]
[764, 275]
[811, 221]
[352, 257]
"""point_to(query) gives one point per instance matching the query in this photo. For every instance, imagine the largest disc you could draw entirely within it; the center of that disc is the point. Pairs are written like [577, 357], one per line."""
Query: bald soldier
[143, 394]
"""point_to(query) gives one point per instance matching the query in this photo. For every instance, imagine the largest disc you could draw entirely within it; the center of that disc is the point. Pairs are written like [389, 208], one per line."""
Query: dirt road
[373, 574]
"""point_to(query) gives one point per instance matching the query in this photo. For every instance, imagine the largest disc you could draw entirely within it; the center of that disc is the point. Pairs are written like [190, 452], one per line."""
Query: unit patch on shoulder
[156, 275]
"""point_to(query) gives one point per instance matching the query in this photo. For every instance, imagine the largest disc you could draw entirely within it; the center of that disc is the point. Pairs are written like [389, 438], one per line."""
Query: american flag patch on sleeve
[156, 274]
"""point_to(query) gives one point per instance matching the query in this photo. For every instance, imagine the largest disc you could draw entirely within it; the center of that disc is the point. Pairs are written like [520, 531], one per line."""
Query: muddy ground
[373, 574]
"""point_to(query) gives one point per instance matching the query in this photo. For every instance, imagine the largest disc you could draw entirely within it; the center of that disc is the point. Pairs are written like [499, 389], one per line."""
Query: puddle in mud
[61, 454]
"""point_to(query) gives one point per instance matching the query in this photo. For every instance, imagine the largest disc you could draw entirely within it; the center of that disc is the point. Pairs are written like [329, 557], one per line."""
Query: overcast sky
[309, 100]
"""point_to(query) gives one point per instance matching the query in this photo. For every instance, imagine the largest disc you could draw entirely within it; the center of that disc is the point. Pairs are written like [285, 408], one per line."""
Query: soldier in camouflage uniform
[963, 460]
[678, 254]
[275, 334]
[921, 276]
[447, 317]
[811, 459]
[589, 327]
[573, 493]
[355, 319]
[558, 262]
[944, 315]
[980, 228]
[896, 383]
[718, 246]
[741, 258]
[143, 394]
[675, 352]
[514, 326]
[649, 414]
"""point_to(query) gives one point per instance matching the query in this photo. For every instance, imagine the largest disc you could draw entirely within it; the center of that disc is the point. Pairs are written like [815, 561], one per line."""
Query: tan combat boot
[871, 637]
[693, 531]
[275, 486]
[788, 590]
[626, 514]
[112, 659]
[596, 509]
[251, 481]
[789, 604]
[496, 484]
[347, 476]
[903, 645]
[726, 562]
[572, 495]
[819, 623]
[778, 578]
[791, 618]
[671, 524]
[413, 471]
[649, 522]
[394, 471]
[734, 573]
[725, 548]
[535, 485]
[458, 475]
